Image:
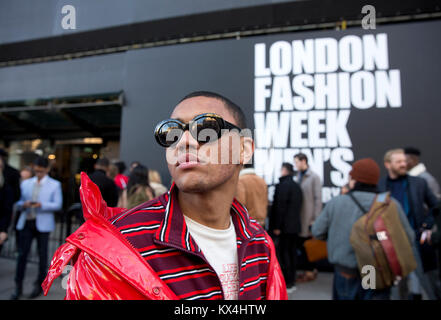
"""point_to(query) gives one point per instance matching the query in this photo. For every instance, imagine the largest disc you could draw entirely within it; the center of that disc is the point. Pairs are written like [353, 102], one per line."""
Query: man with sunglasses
[195, 241]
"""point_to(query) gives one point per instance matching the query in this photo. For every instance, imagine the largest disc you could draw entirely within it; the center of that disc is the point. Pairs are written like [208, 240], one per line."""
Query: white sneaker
[292, 289]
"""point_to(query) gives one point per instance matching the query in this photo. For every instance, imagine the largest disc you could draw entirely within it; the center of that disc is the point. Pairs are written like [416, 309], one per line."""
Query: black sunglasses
[204, 128]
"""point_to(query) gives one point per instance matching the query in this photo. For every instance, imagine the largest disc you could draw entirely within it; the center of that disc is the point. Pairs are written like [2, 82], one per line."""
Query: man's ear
[247, 150]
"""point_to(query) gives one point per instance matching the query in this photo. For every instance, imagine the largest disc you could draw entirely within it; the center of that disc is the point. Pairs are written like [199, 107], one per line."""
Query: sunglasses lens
[206, 129]
[169, 133]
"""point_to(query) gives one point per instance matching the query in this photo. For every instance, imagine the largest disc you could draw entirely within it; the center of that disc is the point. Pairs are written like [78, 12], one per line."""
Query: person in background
[335, 223]
[434, 237]
[138, 189]
[285, 222]
[417, 201]
[121, 179]
[345, 189]
[6, 204]
[11, 176]
[418, 169]
[112, 171]
[41, 197]
[156, 183]
[252, 193]
[26, 173]
[311, 207]
[133, 165]
[108, 188]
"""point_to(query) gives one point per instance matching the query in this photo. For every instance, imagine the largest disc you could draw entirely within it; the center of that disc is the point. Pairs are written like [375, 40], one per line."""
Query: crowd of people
[35, 197]
[297, 216]
[294, 218]
[126, 191]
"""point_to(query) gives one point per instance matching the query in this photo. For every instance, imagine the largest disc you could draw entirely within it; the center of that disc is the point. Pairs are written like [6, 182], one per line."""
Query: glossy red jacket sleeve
[276, 287]
[98, 257]
[89, 279]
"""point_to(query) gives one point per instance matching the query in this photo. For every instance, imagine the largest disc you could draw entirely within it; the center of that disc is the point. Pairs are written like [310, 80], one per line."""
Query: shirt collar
[173, 230]
[42, 181]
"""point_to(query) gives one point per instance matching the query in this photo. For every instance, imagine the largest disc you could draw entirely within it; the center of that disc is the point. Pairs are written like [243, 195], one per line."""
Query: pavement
[319, 289]
[7, 285]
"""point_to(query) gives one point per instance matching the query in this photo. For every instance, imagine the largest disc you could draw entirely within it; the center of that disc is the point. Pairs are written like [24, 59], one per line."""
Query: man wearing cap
[334, 225]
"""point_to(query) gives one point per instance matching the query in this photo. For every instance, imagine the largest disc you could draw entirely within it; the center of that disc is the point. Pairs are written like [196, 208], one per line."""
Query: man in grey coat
[311, 186]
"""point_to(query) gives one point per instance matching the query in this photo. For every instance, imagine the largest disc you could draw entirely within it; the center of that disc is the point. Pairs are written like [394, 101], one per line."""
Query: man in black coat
[285, 221]
[107, 186]
[9, 193]
[11, 176]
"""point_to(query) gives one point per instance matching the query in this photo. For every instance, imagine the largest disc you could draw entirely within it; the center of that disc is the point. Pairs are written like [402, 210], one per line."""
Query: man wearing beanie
[334, 225]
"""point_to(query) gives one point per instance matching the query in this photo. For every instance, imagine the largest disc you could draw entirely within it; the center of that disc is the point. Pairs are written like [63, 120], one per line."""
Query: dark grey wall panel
[28, 19]
[99, 74]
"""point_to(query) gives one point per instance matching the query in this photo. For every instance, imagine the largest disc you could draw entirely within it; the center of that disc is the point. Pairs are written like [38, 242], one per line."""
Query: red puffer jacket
[106, 266]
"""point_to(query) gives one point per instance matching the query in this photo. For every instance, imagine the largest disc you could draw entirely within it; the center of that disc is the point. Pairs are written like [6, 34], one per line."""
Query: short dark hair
[103, 162]
[301, 157]
[41, 162]
[138, 177]
[134, 163]
[288, 166]
[233, 108]
[121, 166]
[413, 151]
[3, 153]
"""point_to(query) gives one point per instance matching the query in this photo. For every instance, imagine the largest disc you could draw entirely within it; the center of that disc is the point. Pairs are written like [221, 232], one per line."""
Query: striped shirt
[157, 230]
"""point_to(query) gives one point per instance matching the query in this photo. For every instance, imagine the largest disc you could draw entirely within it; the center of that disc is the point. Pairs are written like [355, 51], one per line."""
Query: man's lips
[187, 160]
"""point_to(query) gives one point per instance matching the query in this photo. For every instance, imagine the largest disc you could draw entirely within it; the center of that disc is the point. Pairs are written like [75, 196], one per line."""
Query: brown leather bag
[315, 249]
[379, 240]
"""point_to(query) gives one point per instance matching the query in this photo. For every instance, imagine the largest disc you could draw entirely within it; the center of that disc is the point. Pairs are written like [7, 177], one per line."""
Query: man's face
[40, 172]
[25, 174]
[198, 167]
[284, 172]
[397, 164]
[411, 160]
[300, 164]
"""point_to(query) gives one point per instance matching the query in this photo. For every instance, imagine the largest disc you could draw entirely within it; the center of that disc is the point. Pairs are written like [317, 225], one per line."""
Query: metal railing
[66, 222]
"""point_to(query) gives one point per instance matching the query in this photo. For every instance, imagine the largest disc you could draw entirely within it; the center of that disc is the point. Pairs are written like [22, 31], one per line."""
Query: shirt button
[156, 290]
[80, 236]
